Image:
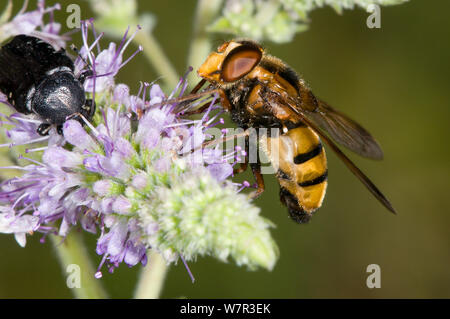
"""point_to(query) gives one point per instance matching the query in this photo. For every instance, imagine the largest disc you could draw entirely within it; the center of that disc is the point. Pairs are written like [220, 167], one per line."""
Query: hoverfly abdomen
[301, 165]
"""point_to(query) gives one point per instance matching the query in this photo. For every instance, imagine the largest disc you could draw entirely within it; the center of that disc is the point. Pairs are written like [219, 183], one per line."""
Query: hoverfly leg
[224, 100]
[198, 86]
[256, 169]
[243, 166]
[43, 129]
[199, 110]
[223, 139]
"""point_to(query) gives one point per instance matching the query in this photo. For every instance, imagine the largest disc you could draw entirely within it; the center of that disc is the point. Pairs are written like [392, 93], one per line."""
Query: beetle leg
[84, 75]
[43, 129]
[78, 117]
[90, 107]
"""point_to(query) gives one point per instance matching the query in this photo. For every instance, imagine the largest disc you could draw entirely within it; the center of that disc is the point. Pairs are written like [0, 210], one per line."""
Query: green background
[395, 81]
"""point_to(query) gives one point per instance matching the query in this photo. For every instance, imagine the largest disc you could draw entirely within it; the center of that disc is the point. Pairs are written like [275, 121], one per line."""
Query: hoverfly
[259, 90]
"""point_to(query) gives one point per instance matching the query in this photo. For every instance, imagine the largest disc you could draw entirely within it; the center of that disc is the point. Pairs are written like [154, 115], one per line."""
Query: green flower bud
[198, 216]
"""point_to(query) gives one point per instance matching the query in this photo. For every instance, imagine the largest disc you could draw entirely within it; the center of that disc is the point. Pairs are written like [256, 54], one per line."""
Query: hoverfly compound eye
[239, 62]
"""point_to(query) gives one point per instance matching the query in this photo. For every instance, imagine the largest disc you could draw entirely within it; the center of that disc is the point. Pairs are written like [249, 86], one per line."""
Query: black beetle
[38, 79]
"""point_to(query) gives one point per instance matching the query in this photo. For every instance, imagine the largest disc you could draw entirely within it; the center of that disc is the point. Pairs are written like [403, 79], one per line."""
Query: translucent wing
[344, 130]
[304, 117]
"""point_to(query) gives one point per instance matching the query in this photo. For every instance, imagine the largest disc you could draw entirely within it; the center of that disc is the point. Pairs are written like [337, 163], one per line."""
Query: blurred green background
[396, 82]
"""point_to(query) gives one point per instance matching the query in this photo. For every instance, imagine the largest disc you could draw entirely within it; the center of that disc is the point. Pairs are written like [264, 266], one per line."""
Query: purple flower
[108, 176]
[106, 63]
[32, 23]
[19, 225]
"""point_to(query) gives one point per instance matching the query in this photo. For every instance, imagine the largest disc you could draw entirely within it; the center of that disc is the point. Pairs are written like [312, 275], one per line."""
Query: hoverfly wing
[345, 131]
[304, 117]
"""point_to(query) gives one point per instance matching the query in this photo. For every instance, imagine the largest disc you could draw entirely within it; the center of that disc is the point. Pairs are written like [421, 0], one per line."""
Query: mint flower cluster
[138, 174]
[278, 20]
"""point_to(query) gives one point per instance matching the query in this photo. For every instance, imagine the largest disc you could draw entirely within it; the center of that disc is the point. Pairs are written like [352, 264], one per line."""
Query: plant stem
[206, 11]
[152, 277]
[72, 251]
[157, 58]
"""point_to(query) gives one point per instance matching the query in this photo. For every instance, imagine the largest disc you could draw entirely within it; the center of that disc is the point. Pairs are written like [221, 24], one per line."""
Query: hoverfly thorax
[232, 61]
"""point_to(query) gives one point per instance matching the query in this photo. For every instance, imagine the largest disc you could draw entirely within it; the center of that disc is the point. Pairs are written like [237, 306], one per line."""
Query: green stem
[6, 13]
[152, 277]
[205, 13]
[72, 251]
[155, 55]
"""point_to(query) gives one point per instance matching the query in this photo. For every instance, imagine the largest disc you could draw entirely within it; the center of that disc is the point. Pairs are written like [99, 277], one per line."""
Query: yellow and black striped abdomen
[301, 165]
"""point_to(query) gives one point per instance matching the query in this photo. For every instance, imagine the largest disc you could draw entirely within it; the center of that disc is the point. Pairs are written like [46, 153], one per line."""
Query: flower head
[278, 20]
[32, 23]
[17, 224]
[138, 174]
[114, 16]
[106, 63]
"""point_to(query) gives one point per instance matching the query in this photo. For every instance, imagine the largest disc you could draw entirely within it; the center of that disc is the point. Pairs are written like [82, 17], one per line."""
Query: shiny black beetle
[38, 79]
